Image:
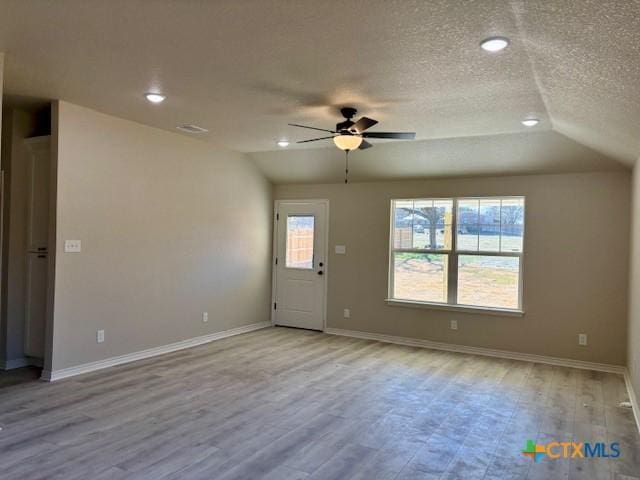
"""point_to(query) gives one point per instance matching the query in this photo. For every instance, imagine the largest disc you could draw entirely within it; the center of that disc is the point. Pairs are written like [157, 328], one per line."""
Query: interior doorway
[26, 176]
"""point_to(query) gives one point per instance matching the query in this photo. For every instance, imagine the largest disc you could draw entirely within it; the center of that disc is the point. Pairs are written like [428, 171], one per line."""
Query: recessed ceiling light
[283, 143]
[155, 97]
[494, 44]
[530, 122]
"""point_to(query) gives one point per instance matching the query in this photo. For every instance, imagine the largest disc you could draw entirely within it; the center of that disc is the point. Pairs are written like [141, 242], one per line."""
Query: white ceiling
[245, 68]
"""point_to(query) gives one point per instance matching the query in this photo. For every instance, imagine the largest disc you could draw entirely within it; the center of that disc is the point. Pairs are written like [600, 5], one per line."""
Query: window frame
[453, 255]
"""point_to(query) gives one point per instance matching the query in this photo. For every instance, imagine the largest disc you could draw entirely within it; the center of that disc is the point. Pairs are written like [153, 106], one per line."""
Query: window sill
[502, 312]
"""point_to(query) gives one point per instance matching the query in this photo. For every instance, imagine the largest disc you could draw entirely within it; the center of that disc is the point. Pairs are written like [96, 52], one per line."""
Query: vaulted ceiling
[517, 153]
[247, 68]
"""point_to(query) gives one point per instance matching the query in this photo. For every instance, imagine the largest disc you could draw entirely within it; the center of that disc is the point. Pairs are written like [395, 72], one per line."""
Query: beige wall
[575, 267]
[633, 360]
[170, 227]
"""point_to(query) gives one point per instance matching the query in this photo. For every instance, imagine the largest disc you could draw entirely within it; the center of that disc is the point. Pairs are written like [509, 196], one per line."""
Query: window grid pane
[512, 224]
[423, 224]
[490, 224]
[489, 281]
[421, 276]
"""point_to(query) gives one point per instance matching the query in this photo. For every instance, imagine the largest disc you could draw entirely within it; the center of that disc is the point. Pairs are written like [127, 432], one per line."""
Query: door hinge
[277, 216]
[275, 306]
[276, 260]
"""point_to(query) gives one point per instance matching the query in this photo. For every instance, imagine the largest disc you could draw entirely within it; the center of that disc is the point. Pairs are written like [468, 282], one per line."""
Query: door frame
[274, 279]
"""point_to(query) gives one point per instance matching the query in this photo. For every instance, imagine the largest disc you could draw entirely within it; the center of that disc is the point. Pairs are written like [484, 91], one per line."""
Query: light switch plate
[341, 249]
[100, 336]
[72, 246]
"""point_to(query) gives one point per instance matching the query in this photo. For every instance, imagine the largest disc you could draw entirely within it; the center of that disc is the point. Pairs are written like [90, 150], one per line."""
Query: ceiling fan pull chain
[346, 168]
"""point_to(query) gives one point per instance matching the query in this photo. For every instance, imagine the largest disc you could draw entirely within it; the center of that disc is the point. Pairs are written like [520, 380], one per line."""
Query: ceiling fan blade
[364, 123]
[393, 135]
[346, 125]
[314, 139]
[311, 128]
[364, 145]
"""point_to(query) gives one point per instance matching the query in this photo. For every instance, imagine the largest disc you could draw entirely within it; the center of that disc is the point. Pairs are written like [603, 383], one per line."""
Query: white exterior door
[300, 263]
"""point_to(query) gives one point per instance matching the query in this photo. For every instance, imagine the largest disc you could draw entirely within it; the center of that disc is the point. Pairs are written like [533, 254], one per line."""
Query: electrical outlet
[205, 317]
[454, 324]
[582, 339]
[100, 336]
[346, 313]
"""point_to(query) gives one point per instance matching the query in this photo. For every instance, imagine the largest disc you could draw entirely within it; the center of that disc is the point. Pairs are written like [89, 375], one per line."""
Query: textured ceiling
[586, 58]
[518, 153]
[244, 69]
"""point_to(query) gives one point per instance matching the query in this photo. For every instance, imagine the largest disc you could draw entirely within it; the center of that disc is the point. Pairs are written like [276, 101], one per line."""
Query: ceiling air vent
[192, 128]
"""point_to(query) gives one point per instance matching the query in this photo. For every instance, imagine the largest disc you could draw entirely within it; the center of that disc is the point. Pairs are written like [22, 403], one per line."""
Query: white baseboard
[488, 352]
[632, 398]
[52, 376]
[19, 363]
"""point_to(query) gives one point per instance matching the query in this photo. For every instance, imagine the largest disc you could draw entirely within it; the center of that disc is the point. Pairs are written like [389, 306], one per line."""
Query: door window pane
[489, 281]
[420, 277]
[300, 230]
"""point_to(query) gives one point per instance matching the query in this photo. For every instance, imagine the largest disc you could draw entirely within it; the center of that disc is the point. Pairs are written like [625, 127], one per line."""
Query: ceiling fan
[350, 135]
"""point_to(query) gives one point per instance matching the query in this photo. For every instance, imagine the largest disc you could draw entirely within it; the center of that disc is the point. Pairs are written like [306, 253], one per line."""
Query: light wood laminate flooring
[287, 404]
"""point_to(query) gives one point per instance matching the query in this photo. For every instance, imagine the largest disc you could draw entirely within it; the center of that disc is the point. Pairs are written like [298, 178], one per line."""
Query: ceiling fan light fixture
[347, 142]
[494, 44]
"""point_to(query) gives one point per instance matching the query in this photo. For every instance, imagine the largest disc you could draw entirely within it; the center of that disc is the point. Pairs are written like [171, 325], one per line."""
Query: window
[299, 247]
[458, 251]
